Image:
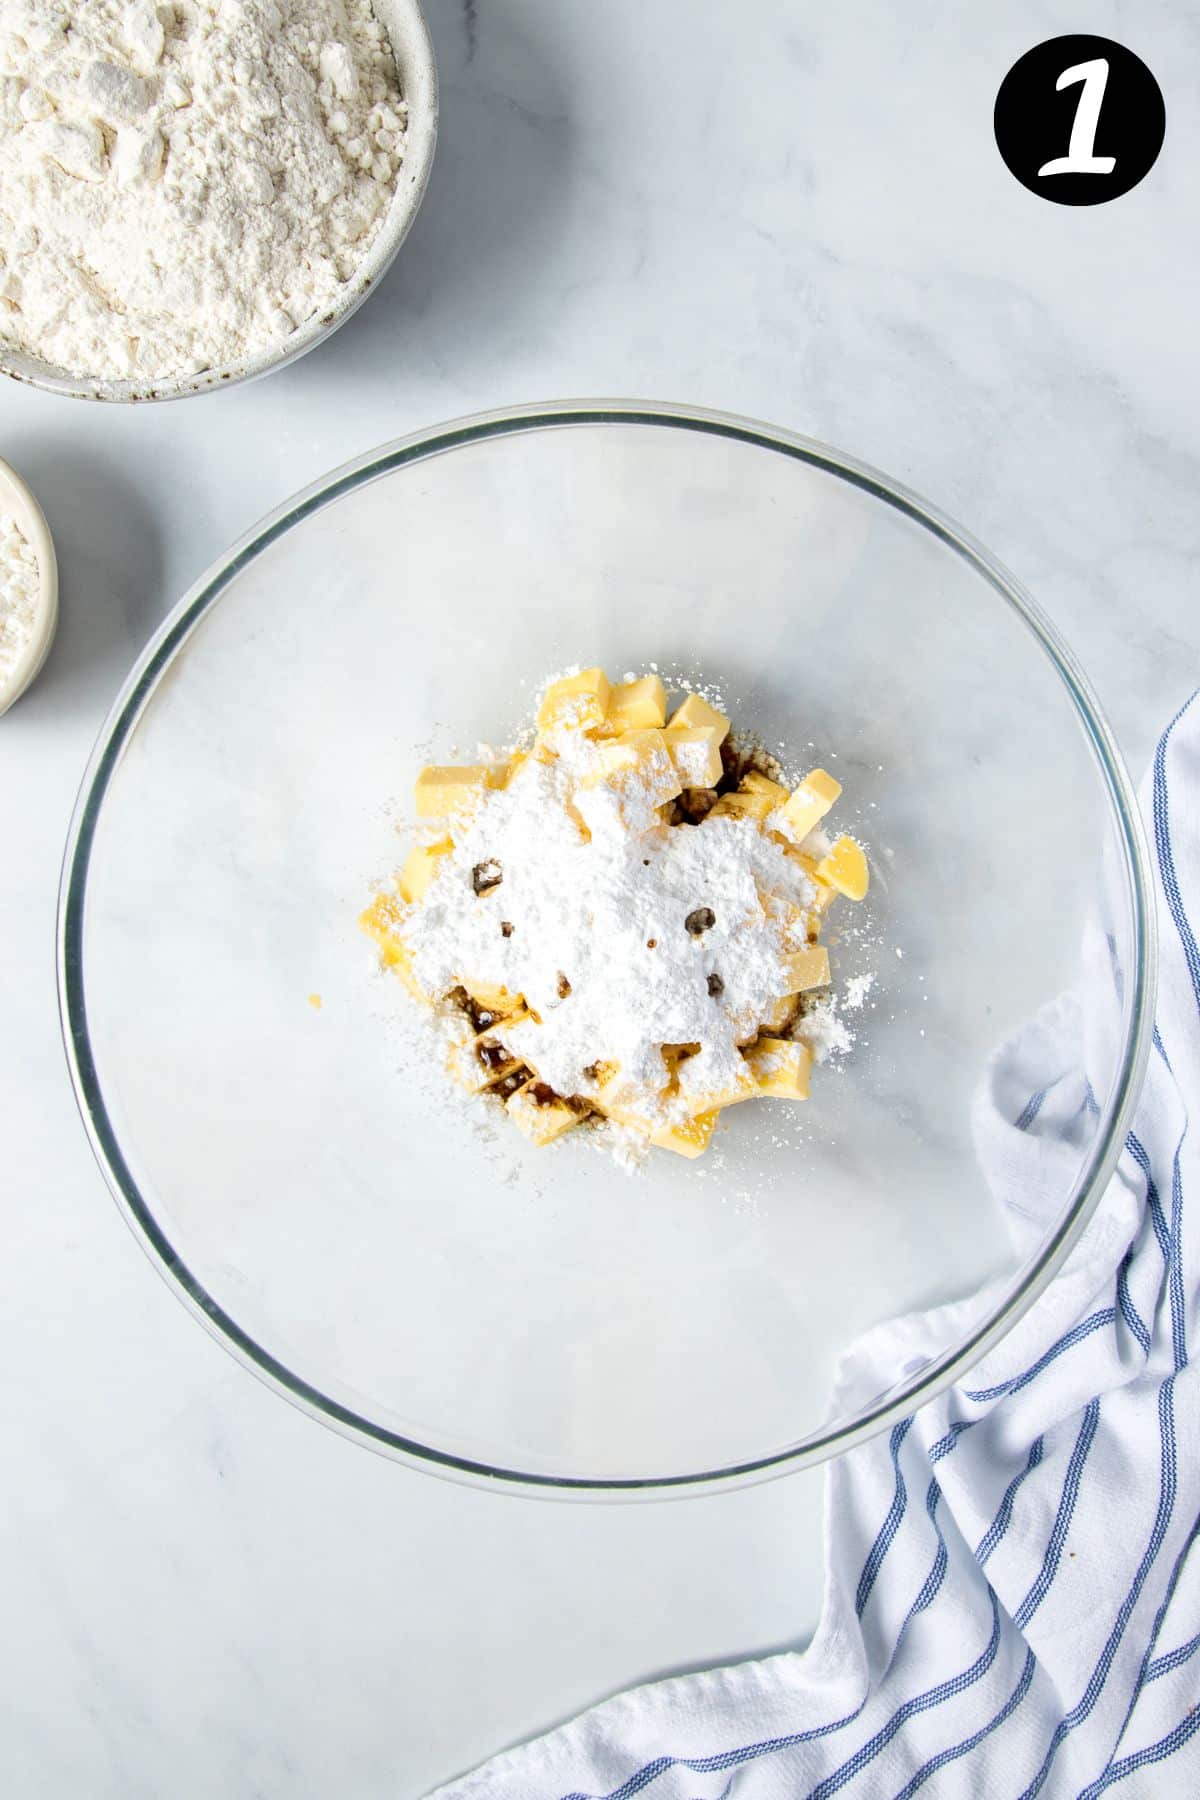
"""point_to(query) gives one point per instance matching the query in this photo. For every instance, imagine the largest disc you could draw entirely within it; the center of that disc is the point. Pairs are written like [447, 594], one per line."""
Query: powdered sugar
[594, 932]
[183, 185]
[824, 1030]
[857, 989]
[19, 590]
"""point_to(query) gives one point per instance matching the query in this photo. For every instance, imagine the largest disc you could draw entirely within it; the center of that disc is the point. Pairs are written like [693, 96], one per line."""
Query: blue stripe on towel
[1094, 1322]
[1172, 1659]
[1153, 1753]
[1000, 1523]
[891, 1523]
[954, 1751]
[1062, 1519]
[1162, 1517]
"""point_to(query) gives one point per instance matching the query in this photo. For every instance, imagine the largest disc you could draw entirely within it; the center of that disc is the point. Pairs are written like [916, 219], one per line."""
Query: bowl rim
[412, 46]
[907, 1394]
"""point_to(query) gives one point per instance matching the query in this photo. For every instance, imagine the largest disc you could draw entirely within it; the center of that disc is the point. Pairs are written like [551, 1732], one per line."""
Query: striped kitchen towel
[1012, 1595]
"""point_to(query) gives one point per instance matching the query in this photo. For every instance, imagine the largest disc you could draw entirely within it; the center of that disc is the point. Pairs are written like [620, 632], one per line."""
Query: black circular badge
[1079, 120]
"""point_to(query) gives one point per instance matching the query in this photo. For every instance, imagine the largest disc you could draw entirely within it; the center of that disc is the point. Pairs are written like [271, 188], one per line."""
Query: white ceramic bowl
[17, 501]
[406, 28]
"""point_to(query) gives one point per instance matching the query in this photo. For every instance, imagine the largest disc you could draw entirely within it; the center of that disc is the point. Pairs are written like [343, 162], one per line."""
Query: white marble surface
[204, 1593]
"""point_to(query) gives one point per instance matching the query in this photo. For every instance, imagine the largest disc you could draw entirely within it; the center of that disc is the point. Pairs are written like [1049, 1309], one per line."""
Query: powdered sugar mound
[641, 936]
[824, 1030]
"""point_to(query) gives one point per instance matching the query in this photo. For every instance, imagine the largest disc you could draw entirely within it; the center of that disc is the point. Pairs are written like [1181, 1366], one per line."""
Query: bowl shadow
[494, 205]
[108, 543]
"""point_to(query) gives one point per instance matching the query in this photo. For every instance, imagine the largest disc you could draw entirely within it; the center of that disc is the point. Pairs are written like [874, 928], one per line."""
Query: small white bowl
[17, 502]
[405, 25]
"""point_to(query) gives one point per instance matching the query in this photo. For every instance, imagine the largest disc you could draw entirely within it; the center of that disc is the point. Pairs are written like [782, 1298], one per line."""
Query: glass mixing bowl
[329, 1208]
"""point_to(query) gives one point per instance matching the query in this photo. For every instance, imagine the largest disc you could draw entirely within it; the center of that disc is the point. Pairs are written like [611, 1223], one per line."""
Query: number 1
[1081, 158]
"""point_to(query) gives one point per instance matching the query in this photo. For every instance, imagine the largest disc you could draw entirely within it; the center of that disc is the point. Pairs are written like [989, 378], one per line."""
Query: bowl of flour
[198, 192]
[28, 587]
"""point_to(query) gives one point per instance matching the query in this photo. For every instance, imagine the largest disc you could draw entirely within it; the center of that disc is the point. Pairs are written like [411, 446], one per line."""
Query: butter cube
[637, 705]
[781, 1067]
[448, 789]
[696, 752]
[539, 1112]
[420, 868]
[845, 868]
[696, 711]
[481, 1060]
[382, 917]
[779, 1014]
[754, 782]
[712, 1096]
[579, 702]
[811, 801]
[623, 1101]
[808, 969]
[756, 797]
[691, 1139]
[825, 892]
[380, 921]
[734, 806]
[613, 1107]
[493, 998]
[638, 769]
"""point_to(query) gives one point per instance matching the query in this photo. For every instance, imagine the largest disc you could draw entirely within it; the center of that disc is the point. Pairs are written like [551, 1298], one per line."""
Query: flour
[639, 936]
[19, 590]
[183, 185]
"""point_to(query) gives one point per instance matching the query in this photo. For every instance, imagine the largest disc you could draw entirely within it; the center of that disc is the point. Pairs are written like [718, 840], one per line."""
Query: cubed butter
[624, 1101]
[811, 801]
[638, 768]
[697, 711]
[845, 868]
[638, 705]
[480, 1060]
[755, 782]
[696, 752]
[448, 789]
[781, 1067]
[691, 1139]
[808, 969]
[579, 701]
[380, 921]
[756, 797]
[779, 1014]
[493, 998]
[824, 892]
[701, 1093]
[621, 1112]
[736, 806]
[541, 1115]
[421, 866]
